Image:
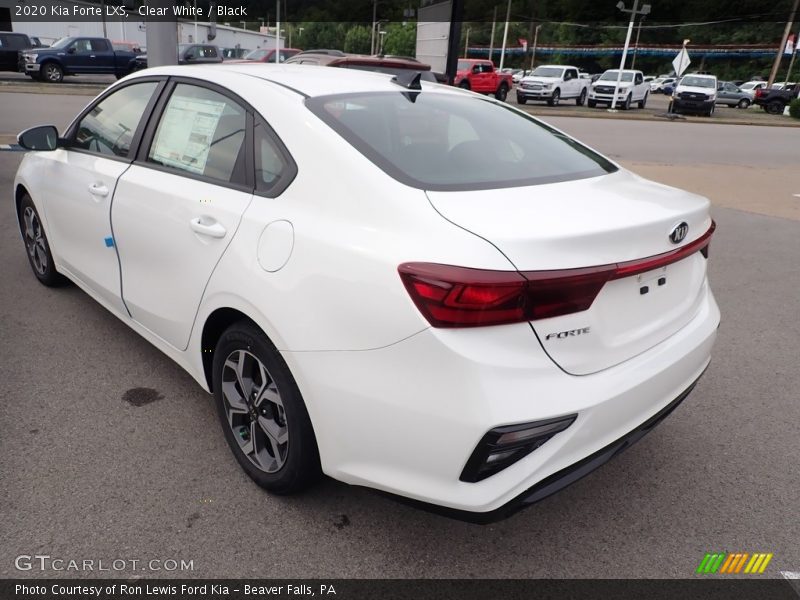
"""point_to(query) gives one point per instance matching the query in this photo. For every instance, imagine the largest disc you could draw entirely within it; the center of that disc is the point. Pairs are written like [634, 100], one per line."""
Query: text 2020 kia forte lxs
[416, 289]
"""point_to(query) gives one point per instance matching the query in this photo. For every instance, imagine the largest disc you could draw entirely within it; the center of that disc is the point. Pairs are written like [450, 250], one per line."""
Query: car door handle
[209, 227]
[98, 189]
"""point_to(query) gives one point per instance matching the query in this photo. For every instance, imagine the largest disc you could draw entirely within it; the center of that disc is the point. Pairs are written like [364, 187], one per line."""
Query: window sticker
[186, 133]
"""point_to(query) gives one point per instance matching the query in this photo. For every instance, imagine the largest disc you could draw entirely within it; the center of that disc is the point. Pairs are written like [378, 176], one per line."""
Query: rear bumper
[406, 418]
[561, 479]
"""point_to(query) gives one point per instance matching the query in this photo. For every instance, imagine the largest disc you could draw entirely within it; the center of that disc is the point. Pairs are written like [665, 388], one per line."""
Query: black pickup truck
[76, 56]
[774, 101]
[11, 44]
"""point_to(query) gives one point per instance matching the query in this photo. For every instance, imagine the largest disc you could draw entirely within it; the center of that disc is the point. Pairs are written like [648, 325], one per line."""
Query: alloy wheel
[34, 240]
[255, 411]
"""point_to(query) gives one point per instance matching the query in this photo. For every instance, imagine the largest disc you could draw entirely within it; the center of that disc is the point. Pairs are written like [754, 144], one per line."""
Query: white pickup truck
[632, 88]
[553, 83]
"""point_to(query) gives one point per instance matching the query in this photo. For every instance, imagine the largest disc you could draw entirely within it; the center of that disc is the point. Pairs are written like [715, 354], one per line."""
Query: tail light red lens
[451, 296]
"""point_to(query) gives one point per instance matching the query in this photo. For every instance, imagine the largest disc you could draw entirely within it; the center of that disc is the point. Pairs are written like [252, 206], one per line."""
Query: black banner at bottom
[399, 589]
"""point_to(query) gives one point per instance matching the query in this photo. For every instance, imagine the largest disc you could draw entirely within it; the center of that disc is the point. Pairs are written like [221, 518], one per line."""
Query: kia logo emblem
[678, 233]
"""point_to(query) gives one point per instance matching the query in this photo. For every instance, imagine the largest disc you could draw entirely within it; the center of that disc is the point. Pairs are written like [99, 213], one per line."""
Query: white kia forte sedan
[404, 286]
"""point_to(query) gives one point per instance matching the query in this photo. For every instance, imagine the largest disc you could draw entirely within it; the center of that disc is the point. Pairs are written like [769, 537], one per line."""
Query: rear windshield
[444, 142]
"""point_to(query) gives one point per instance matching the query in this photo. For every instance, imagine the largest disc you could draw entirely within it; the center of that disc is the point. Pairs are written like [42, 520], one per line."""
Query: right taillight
[451, 296]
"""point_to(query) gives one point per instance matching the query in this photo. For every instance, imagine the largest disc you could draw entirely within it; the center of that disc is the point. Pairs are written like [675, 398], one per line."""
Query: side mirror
[476, 69]
[44, 137]
[71, 50]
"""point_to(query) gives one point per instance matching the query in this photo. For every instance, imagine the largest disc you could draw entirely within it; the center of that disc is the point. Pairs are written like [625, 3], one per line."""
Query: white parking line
[791, 574]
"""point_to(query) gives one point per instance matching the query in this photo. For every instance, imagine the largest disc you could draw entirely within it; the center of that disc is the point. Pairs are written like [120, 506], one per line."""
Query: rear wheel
[502, 92]
[743, 103]
[555, 98]
[774, 108]
[262, 412]
[52, 73]
[38, 249]
[581, 98]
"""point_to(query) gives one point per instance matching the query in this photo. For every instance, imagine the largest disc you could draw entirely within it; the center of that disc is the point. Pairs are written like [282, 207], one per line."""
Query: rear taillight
[450, 296]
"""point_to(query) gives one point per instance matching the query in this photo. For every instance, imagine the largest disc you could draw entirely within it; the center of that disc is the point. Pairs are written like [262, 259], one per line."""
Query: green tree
[401, 39]
[357, 40]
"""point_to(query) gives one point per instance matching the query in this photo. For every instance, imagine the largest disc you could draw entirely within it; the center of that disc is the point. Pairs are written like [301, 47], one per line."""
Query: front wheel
[643, 101]
[627, 104]
[262, 412]
[710, 111]
[743, 103]
[591, 103]
[52, 73]
[39, 255]
[464, 85]
[555, 98]
[502, 92]
[581, 98]
[521, 99]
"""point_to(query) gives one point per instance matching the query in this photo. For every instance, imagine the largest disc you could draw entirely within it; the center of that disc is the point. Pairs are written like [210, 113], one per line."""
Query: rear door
[178, 207]
[101, 59]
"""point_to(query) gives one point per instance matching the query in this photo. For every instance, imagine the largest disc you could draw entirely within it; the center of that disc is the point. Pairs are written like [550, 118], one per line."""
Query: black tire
[464, 85]
[502, 92]
[775, 107]
[581, 98]
[555, 98]
[591, 103]
[521, 99]
[710, 111]
[743, 103]
[627, 104]
[36, 245]
[52, 73]
[643, 101]
[279, 467]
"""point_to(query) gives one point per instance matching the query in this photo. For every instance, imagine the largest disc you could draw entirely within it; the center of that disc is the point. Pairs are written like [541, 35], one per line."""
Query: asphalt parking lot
[89, 475]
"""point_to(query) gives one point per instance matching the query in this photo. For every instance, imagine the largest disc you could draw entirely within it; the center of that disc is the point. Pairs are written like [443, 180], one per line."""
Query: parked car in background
[393, 65]
[658, 84]
[481, 76]
[127, 46]
[553, 83]
[233, 53]
[268, 54]
[750, 87]
[402, 286]
[518, 74]
[37, 42]
[77, 56]
[189, 54]
[695, 93]
[11, 45]
[632, 89]
[729, 94]
[774, 101]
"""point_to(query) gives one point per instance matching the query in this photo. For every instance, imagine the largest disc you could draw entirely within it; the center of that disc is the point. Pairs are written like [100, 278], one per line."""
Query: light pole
[535, 41]
[636, 45]
[466, 44]
[381, 33]
[505, 36]
[645, 11]
[376, 26]
[491, 39]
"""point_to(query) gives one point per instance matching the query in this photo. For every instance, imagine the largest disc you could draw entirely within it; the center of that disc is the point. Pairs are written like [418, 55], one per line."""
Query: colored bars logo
[734, 562]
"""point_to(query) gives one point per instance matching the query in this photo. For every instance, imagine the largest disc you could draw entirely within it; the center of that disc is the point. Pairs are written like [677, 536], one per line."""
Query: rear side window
[109, 127]
[99, 45]
[201, 132]
[450, 141]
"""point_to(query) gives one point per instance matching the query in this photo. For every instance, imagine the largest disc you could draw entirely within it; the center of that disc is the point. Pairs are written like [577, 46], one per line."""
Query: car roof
[308, 80]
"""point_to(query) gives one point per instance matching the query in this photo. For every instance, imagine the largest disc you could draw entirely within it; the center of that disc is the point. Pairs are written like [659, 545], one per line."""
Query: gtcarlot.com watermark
[45, 562]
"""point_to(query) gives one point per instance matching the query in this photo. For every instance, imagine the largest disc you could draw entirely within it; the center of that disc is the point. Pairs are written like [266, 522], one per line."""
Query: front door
[80, 183]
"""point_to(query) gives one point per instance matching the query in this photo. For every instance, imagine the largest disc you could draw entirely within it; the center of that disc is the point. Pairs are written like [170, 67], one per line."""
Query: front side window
[81, 46]
[110, 125]
[201, 132]
[257, 55]
[446, 142]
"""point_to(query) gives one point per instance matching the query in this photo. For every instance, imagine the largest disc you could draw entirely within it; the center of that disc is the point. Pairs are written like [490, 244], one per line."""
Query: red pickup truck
[481, 76]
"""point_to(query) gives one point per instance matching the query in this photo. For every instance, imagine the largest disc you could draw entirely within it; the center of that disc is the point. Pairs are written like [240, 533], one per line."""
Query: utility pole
[491, 39]
[278, 32]
[791, 62]
[645, 11]
[636, 45]
[466, 44]
[535, 42]
[505, 36]
[776, 65]
[374, 17]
